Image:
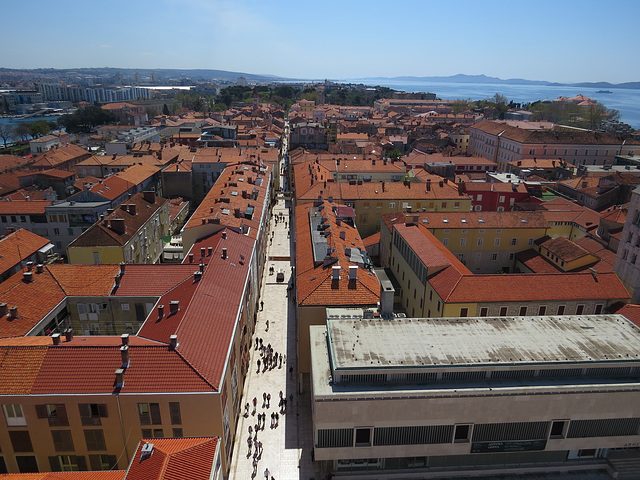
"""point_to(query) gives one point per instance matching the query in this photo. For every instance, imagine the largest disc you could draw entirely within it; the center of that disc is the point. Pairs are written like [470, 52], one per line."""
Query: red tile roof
[152, 280]
[101, 475]
[174, 459]
[19, 366]
[59, 156]
[23, 207]
[314, 282]
[17, 246]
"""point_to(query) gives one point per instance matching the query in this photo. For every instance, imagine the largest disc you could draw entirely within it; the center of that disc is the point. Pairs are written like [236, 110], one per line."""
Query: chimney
[29, 266]
[125, 338]
[116, 279]
[335, 273]
[3, 309]
[203, 251]
[174, 306]
[353, 272]
[149, 196]
[13, 312]
[56, 338]
[201, 266]
[197, 275]
[224, 235]
[68, 333]
[27, 277]
[39, 268]
[117, 225]
[120, 377]
[132, 208]
[209, 251]
[428, 184]
[191, 258]
[123, 266]
[173, 342]
[224, 253]
[124, 355]
[387, 293]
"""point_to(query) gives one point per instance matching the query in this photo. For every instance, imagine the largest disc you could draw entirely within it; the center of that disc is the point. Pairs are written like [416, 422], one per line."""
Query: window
[503, 311]
[530, 242]
[494, 256]
[103, 462]
[558, 429]
[523, 311]
[27, 463]
[95, 440]
[55, 413]
[456, 204]
[62, 440]
[463, 242]
[56, 231]
[480, 241]
[484, 311]
[14, 416]
[445, 241]
[363, 437]
[542, 310]
[177, 433]
[512, 256]
[149, 413]
[478, 208]
[444, 204]
[501, 199]
[598, 309]
[68, 463]
[20, 441]
[561, 309]
[152, 433]
[514, 241]
[461, 433]
[579, 309]
[496, 242]
[479, 197]
[392, 205]
[90, 413]
[174, 409]
[124, 306]
[464, 312]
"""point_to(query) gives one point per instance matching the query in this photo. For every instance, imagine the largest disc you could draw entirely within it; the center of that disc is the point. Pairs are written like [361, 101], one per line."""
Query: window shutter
[54, 464]
[95, 462]
[154, 410]
[84, 409]
[82, 463]
[102, 410]
[41, 411]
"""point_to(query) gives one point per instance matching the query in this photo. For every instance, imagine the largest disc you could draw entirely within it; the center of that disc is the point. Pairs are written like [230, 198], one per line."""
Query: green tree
[85, 119]
[459, 106]
[165, 110]
[39, 128]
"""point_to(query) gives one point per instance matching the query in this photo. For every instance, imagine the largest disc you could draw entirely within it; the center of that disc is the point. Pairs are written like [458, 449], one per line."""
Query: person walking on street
[261, 305]
[267, 473]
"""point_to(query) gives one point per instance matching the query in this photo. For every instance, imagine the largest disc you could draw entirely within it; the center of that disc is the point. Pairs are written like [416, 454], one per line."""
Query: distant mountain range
[462, 78]
[209, 75]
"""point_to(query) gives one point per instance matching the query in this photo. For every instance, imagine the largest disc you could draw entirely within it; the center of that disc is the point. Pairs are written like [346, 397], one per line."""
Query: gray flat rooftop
[481, 341]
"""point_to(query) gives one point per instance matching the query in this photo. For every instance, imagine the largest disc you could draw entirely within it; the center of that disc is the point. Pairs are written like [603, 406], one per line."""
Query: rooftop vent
[4, 309]
[353, 272]
[224, 253]
[68, 333]
[27, 277]
[13, 312]
[146, 451]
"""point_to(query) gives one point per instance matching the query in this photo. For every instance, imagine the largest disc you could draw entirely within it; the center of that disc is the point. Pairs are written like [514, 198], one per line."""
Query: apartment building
[19, 248]
[435, 283]
[461, 397]
[130, 234]
[503, 143]
[332, 268]
[486, 242]
[627, 265]
[83, 402]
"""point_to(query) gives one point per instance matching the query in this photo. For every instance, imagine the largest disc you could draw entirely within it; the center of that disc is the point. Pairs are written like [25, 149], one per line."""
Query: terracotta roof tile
[17, 246]
[154, 280]
[19, 367]
[84, 280]
[174, 459]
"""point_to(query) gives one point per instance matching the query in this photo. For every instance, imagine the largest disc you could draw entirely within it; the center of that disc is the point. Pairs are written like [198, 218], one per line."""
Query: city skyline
[558, 42]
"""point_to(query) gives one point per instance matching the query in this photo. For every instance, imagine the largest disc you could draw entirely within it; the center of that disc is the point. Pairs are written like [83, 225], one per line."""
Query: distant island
[462, 78]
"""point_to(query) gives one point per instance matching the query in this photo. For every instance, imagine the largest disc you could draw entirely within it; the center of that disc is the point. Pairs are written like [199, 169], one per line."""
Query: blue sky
[561, 40]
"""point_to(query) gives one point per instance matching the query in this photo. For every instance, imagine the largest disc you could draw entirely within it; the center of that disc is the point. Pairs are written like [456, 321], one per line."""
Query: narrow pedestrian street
[286, 449]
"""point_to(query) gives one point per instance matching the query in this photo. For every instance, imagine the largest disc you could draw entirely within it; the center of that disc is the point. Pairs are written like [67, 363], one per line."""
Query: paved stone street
[287, 448]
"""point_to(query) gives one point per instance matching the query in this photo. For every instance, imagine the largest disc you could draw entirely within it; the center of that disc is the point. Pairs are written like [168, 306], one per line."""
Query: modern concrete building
[460, 397]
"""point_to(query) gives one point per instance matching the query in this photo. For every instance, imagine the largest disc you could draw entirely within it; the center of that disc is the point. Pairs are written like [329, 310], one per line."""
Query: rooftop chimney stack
[39, 268]
[124, 355]
[224, 253]
[335, 272]
[203, 251]
[29, 266]
[191, 258]
[68, 333]
[160, 311]
[209, 251]
[174, 306]
[201, 266]
[56, 338]
[13, 312]
[125, 338]
[4, 309]
[353, 272]
[173, 342]
[224, 235]
[120, 377]
[27, 277]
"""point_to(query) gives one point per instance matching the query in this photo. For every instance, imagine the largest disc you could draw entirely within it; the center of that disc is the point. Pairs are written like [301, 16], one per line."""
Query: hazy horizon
[565, 42]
